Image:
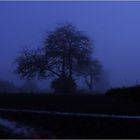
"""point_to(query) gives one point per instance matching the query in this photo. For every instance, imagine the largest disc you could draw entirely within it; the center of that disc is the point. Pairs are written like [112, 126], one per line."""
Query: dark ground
[71, 103]
[71, 126]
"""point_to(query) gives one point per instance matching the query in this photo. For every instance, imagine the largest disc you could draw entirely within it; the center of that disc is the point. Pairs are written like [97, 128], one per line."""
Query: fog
[114, 27]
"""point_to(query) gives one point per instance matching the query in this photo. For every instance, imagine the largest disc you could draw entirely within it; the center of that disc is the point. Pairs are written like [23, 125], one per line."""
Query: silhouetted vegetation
[132, 93]
[64, 85]
[66, 54]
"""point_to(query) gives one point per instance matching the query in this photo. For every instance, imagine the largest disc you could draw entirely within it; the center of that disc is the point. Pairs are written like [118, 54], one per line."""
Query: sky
[114, 26]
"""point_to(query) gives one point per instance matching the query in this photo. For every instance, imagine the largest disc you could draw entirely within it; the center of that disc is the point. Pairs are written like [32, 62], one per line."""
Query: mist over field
[114, 27]
[84, 58]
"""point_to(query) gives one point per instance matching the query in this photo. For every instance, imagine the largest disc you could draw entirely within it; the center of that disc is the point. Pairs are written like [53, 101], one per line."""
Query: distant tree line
[6, 86]
[29, 86]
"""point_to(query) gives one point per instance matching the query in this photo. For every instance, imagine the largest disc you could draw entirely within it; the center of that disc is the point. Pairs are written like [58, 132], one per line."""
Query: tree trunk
[89, 82]
[70, 66]
[63, 63]
[70, 61]
[63, 68]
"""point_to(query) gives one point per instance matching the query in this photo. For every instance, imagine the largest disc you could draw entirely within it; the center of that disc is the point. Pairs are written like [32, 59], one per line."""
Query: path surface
[68, 124]
[73, 114]
[15, 129]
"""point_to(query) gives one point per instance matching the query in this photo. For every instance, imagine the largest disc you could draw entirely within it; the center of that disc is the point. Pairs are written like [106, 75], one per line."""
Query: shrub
[64, 85]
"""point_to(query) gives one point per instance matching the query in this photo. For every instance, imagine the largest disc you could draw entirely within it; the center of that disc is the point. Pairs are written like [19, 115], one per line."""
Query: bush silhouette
[132, 93]
[63, 85]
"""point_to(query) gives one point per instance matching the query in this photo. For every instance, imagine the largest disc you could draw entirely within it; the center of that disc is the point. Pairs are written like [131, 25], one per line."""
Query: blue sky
[114, 27]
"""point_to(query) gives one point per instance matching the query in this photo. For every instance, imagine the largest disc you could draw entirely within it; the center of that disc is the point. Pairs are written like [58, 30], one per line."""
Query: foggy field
[69, 69]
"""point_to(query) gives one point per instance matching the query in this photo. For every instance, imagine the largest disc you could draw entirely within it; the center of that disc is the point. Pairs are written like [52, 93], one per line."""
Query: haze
[114, 27]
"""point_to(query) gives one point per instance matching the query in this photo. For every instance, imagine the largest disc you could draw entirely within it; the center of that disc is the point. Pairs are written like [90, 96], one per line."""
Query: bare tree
[65, 46]
[66, 52]
[92, 74]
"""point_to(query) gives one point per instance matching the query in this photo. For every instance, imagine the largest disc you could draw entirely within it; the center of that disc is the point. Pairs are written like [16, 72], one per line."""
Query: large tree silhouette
[66, 53]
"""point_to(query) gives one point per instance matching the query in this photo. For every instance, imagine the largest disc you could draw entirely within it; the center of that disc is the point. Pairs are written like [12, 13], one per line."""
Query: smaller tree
[92, 74]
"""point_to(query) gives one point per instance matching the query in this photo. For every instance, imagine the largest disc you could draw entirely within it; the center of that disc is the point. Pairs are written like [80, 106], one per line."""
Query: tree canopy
[65, 54]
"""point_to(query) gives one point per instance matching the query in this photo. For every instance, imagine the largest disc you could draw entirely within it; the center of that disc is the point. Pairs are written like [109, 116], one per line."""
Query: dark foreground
[68, 126]
[59, 126]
